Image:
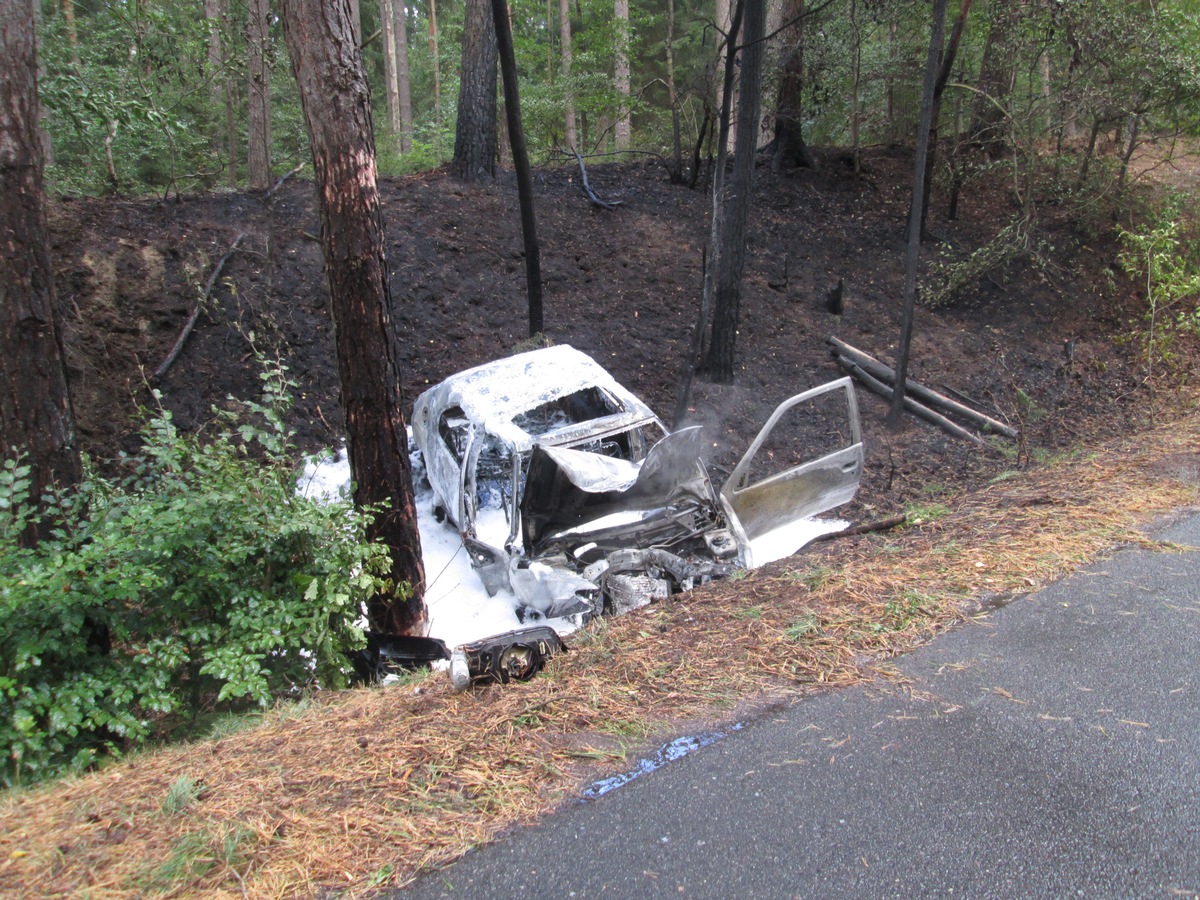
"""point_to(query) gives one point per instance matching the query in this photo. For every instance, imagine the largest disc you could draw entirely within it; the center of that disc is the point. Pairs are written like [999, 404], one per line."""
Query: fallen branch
[931, 397]
[191, 321]
[917, 409]
[279, 183]
[865, 528]
[587, 188]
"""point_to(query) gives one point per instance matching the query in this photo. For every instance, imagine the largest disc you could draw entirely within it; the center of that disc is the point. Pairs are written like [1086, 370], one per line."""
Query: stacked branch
[920, 400]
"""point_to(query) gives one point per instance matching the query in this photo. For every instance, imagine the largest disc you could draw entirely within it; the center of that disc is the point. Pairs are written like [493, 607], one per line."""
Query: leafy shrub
[1159, 256]
[201, 578]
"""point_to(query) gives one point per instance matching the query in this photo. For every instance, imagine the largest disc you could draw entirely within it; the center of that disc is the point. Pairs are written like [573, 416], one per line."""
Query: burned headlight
[512, 656]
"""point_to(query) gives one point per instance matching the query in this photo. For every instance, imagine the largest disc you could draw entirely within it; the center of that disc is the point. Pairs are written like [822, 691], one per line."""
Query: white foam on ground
[789, 539]
[460, 610]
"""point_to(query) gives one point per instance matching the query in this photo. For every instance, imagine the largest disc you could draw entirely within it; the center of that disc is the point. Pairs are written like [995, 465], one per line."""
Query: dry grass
[369, 788]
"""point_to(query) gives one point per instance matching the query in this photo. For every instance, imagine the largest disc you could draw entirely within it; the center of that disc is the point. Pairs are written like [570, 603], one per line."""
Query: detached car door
[806, 460]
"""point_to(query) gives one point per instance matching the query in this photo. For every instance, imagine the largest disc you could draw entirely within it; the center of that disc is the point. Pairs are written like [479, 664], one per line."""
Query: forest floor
[1043, 347]
[351, 792]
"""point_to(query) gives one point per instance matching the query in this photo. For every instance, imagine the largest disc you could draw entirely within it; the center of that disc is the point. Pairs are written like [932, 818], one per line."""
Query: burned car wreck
[568, 491]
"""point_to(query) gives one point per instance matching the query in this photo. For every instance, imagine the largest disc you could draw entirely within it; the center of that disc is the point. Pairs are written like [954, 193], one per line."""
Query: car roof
[494, 393]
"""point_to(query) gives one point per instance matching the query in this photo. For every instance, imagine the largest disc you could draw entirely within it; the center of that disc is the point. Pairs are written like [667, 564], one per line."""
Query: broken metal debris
[512, 656]
[568, 491]
[385, 653]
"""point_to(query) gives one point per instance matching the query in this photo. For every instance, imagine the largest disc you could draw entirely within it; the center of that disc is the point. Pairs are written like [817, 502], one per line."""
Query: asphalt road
[1051, 750]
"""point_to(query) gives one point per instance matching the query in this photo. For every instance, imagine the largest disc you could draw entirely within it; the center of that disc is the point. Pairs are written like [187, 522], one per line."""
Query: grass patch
[924, 513]
[803, 627]
[181, 796]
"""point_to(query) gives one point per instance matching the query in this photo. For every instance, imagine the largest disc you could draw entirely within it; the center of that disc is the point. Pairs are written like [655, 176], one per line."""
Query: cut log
[191, 321]
[913, 406]
[887, 375]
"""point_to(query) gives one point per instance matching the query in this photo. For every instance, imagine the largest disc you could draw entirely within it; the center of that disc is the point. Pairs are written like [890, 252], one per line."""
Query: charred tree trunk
[475, 134]
[335, 98]
[939, 88]
[36, 419]
[516, 135]
[914, 216]
[732, 237]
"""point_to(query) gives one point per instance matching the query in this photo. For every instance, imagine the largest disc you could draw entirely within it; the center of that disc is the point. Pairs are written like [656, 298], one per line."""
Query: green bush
[201, 579]
[1160, 257]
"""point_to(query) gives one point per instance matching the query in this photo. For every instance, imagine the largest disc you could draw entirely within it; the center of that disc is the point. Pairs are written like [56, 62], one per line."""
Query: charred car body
[570, 492]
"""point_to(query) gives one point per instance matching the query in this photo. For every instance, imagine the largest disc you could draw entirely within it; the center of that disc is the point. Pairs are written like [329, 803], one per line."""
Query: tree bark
[335, 98]
[914, 215]
[404, 79]
[475, 134]
[516, 135]
[36, 420]
[391, 86]
[790, 149]
[564, 32]
[68, 11]
[436, 64]
[621, 74]
[732, 239]
[258, 92]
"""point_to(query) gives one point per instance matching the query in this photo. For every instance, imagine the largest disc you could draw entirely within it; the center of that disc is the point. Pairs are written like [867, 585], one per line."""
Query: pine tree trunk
[335, 98]
[68, 11]
[621, 74]
[436, 64]
[36, 420]
[258, 93]
[475, 134]
[790, 148]
[391, 86]
[564, 31]
[404, 80]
